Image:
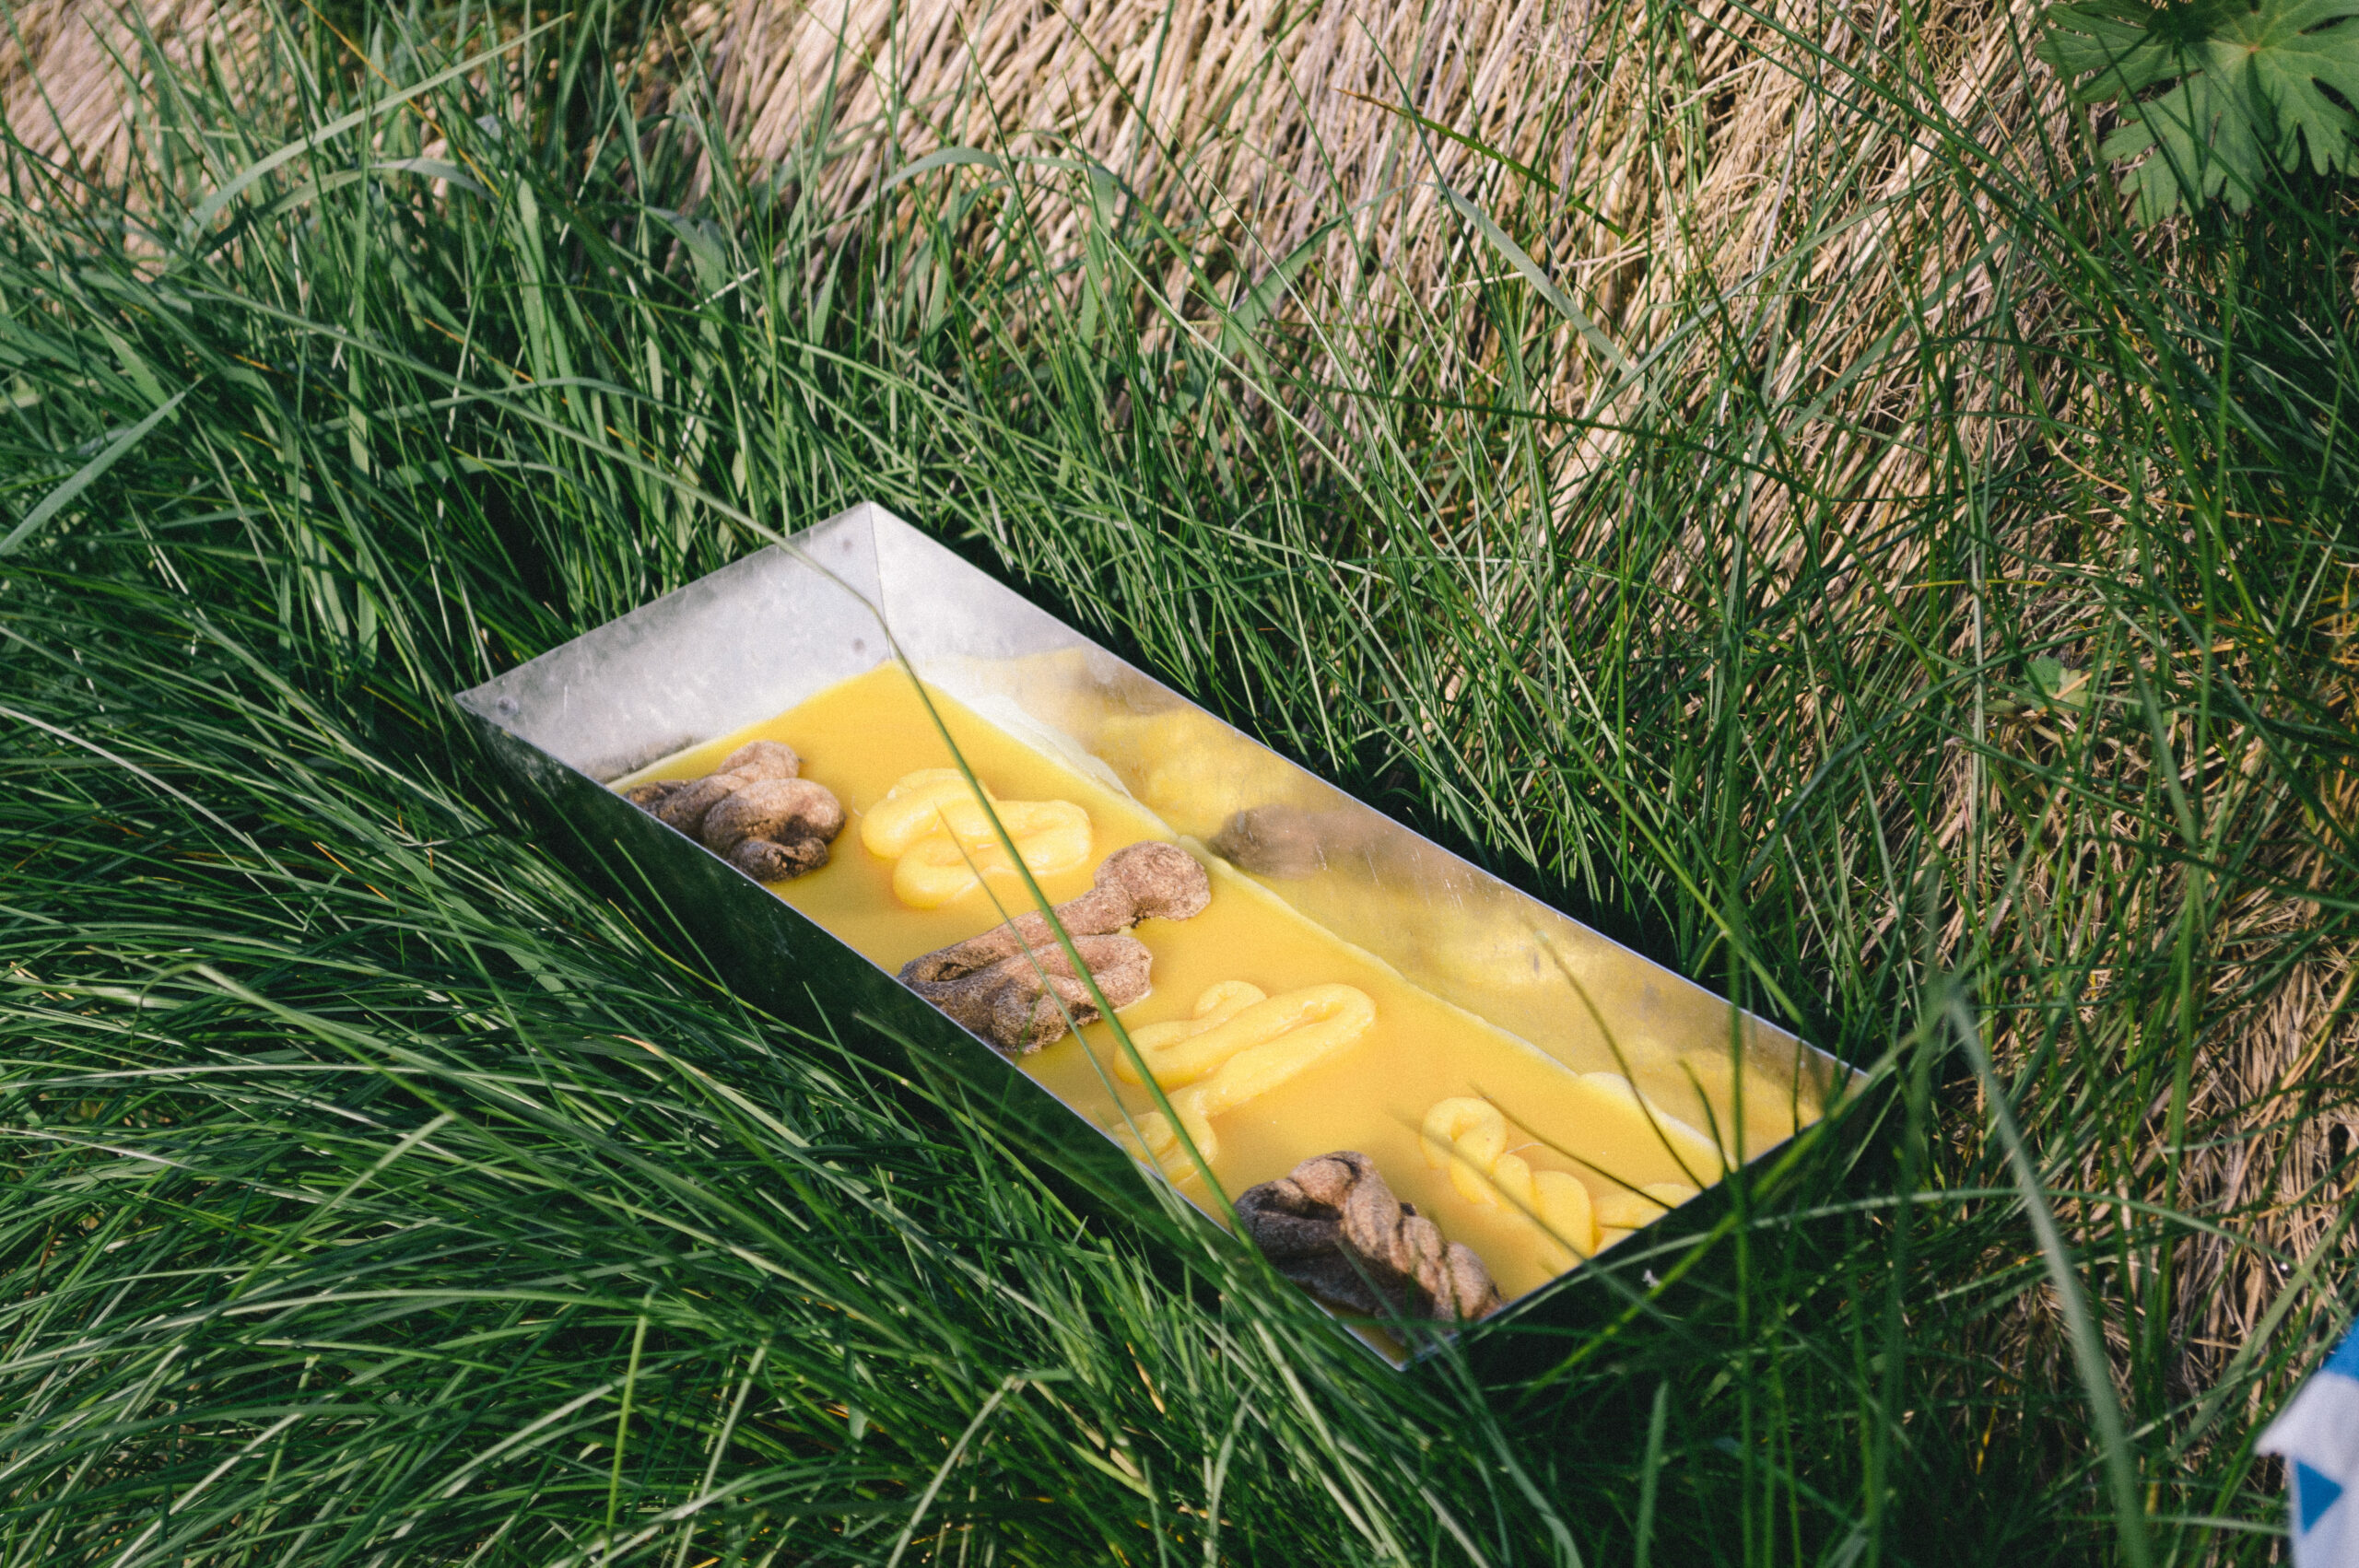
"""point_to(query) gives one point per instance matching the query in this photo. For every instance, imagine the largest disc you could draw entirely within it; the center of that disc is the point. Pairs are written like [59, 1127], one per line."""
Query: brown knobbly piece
[756, 810]
[1143, 882]
[778, 809]
[765, 859]
[1333, 1225]
[1121, 965]
[1006, 984]
[1019, 1003]
[763, 759]
[684, 808]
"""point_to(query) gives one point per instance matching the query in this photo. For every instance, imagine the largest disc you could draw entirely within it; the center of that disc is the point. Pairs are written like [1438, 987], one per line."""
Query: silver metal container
[759, 636]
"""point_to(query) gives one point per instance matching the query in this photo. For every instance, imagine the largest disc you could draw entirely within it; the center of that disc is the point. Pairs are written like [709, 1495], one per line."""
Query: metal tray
[760, 636]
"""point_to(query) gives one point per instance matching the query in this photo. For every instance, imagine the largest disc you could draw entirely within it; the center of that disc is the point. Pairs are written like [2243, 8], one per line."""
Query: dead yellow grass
[75, 72]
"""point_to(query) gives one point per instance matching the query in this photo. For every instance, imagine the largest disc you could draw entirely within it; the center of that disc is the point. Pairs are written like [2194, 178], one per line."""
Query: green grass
[1972, 692]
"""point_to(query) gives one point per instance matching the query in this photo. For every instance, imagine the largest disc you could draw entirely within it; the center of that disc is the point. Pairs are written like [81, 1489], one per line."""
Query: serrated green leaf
[2058, 684]
[2245, 90]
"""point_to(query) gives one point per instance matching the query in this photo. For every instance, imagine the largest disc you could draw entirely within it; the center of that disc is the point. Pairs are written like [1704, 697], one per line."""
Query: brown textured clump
[1021, 1003]
[1333, 1225]
[1143, 882]
[1013, 985]
[756, 810]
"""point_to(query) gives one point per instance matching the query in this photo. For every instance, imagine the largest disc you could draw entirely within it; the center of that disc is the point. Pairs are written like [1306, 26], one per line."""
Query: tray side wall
[730, 648]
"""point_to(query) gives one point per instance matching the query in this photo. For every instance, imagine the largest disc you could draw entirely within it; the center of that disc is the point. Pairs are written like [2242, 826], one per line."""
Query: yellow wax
[862, 736]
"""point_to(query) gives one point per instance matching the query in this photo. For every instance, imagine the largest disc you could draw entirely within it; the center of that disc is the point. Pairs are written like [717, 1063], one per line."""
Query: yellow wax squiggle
[945, 843]
[1052, 836]
[910, 809]
[1469, 1136]
[1240, 1045]
[1233, 1017]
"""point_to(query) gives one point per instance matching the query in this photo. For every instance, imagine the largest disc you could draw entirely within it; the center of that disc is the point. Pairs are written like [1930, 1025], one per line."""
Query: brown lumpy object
[1007, 984]
[684, 808]
[1020, 1003]
[763, 759]
[1143, 882]
[682, 803]
[1333, 1225]
[778, 809]
[756, 810]
[766, 861]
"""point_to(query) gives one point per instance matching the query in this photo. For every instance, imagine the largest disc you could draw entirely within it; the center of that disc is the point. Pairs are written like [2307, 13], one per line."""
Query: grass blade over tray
[1969, 594]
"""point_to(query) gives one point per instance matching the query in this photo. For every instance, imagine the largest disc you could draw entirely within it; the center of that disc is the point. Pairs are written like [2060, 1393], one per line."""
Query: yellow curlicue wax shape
[1233, 1017]
[1469, 1137]
[942, 843]
[910, 809]
[1240, 1043]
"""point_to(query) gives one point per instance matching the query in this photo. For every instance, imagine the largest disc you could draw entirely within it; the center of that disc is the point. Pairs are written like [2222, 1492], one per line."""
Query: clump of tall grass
[1923, 615]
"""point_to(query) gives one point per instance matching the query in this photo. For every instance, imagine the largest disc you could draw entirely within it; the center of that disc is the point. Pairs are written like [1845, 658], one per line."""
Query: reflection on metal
[757, 638]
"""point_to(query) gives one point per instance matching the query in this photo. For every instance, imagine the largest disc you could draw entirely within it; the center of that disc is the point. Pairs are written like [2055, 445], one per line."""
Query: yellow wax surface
[862, 736]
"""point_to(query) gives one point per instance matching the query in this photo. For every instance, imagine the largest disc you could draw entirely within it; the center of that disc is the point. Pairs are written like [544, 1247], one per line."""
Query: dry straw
[73, 74]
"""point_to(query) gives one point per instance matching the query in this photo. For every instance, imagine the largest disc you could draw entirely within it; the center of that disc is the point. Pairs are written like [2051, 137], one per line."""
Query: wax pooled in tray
[1390, 1051]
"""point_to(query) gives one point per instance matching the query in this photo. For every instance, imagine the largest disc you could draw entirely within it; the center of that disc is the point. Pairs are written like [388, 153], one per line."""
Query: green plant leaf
[2247, 86]
[2058, 684]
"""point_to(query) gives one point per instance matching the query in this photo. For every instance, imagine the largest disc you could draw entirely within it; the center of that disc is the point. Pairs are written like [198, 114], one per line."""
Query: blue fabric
[2313, 1494]
[2345, 1359]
